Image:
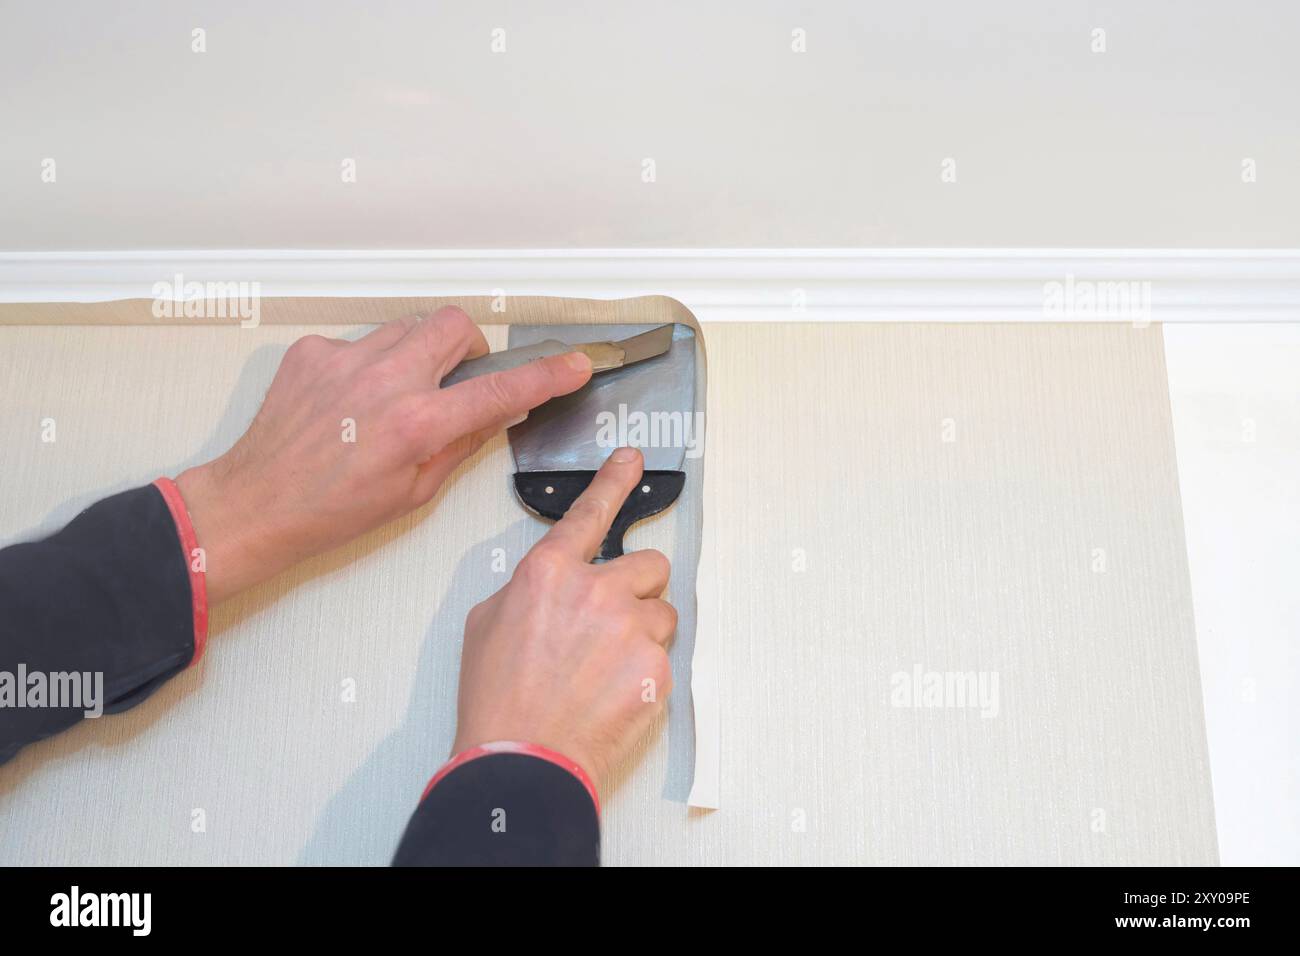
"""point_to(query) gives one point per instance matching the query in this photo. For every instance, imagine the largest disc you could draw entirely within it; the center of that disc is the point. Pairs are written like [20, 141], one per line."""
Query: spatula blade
[646, 345]
[649, 404]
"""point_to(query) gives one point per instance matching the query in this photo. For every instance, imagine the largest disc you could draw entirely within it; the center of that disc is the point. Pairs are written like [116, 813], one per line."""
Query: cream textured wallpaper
[948, 587]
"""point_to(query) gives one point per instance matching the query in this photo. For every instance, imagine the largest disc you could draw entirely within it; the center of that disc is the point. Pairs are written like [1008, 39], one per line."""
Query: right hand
[570, 655]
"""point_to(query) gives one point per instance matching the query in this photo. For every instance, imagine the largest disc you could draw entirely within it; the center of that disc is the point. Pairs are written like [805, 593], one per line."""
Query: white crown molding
[717, 284]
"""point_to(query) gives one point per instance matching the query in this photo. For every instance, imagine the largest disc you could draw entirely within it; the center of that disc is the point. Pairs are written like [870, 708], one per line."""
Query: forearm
[107, 608]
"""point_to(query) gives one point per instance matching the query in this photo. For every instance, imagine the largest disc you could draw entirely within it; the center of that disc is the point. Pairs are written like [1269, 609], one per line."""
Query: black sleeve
[504, 810]
[106, 601]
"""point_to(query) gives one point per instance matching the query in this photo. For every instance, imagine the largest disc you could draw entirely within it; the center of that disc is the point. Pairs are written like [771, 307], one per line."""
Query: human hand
[352, 435]
[570, 655]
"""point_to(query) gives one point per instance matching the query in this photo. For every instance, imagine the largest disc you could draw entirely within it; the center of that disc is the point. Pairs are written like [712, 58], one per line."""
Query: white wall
[456, 147]
[1237, 428]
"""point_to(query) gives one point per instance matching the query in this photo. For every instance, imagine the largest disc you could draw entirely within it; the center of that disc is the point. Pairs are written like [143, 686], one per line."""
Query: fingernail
[578, 361]
[513, 422]
[624, 456]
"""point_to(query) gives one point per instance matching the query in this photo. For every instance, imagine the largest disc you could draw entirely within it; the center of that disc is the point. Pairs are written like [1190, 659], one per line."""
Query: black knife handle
[551, 493]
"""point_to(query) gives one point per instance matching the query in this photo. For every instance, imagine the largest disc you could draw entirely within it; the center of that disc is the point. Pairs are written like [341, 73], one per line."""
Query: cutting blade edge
[647, 344]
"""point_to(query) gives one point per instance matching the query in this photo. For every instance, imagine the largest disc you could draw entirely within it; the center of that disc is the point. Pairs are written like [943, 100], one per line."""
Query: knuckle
[658, 561]
[396, 329]
[588, 509]
[669, 615]
[655, 664]
[383, 367]
[453, 318]
[500, 393]
[542, 565]
[307, 348]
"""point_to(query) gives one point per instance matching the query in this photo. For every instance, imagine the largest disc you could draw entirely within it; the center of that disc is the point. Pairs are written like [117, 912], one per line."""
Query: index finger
[584, 526]
[503, 396]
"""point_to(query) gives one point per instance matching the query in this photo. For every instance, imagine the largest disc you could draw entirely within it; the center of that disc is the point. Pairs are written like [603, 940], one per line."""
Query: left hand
[352, 435]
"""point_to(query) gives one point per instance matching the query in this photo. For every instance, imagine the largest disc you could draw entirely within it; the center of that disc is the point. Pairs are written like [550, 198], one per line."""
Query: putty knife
[646, 398]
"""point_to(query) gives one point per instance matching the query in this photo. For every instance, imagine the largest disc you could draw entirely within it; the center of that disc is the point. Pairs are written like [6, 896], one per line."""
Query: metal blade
[647, 344]
[650, 404]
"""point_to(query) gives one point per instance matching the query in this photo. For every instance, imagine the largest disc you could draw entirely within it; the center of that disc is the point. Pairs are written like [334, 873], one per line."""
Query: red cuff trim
[198, 583]
[515, 747]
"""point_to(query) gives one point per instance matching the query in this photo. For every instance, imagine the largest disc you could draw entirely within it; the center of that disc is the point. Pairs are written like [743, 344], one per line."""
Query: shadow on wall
[426, 732]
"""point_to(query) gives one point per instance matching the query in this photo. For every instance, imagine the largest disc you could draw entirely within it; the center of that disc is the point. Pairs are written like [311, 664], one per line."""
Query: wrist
[171, 496]
[226, 529]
